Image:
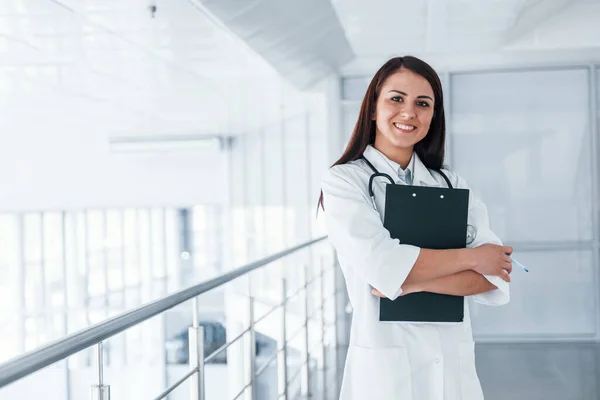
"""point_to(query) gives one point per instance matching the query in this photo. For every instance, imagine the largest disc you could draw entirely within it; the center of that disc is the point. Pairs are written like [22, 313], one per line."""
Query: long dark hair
[431, 148]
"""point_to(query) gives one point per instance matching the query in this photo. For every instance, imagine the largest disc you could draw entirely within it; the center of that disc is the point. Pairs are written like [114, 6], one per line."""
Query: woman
[401, 131]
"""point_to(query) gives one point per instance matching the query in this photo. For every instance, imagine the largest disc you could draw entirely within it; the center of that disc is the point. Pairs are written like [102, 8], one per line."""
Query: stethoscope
[471, 229]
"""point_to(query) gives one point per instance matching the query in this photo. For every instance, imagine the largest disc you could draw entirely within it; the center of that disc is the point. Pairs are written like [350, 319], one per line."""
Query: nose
[408, 111]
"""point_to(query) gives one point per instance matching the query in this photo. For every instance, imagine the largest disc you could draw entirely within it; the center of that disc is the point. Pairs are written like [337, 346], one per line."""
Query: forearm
[464, 283]
[434, 264]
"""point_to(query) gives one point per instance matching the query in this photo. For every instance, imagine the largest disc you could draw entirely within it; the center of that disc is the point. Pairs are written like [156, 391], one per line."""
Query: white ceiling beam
[302, 40]
[532, 14]
[485, 60]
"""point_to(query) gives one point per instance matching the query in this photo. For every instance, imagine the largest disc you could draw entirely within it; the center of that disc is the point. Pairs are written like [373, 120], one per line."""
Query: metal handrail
[174, 386]
[34, 361]
[279, 305]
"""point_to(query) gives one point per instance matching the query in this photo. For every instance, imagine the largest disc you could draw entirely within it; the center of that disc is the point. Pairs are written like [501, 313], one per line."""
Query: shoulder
[455, 179]
[351, 176]
[352, 172]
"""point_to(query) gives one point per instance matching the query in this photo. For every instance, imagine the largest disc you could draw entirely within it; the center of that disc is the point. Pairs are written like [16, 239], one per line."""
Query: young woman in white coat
[401, 131]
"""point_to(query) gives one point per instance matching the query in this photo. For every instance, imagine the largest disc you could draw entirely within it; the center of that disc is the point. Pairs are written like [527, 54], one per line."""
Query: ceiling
[465, 34]
[303, 40]
[220, 66]
[116, 66]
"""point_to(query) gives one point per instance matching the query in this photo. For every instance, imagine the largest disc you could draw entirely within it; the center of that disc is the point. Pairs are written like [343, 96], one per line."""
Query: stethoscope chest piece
[471, 234]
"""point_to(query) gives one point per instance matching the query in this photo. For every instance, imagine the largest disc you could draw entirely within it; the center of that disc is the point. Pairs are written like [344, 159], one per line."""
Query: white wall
[59, 161]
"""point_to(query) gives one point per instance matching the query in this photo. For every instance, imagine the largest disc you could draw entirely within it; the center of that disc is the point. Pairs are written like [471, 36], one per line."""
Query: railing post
[100, 391]
[305, 379]
[282, 347]
[323, 327]
[250, 352]
[196, 355]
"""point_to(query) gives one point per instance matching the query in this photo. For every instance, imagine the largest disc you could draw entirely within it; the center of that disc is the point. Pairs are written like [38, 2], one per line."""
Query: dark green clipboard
[432, 218]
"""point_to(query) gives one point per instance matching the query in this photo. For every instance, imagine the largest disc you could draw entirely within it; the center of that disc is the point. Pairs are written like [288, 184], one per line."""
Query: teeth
[405, 127]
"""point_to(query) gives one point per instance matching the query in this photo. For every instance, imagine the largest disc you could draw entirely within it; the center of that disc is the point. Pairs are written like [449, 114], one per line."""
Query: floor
[565, 371]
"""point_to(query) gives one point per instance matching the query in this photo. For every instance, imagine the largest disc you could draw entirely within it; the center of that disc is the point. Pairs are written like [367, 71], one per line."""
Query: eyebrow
[404, 94]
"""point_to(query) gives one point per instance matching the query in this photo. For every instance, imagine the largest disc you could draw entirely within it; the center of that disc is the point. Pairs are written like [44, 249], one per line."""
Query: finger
[508, 267]
[377, 293]
[508, 250]
[504, 275]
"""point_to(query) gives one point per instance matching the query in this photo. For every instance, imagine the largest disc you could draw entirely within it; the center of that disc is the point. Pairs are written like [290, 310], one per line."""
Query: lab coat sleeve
[478, 217]
[355, 229]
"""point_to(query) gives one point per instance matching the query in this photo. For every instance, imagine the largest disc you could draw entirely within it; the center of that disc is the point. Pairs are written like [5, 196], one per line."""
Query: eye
[396, 99]
[422, 104]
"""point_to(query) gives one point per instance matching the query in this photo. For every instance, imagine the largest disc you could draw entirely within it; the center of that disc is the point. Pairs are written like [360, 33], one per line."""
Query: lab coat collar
[421, 175]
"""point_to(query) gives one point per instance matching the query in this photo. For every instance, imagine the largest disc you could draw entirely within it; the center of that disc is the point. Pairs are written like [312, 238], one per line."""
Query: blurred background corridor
[149, 146]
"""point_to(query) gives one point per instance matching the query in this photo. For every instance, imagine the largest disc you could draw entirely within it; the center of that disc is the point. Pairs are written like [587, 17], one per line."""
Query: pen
[519, 264]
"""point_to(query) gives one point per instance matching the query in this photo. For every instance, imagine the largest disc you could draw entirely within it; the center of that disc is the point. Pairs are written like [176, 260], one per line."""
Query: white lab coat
[397, 361]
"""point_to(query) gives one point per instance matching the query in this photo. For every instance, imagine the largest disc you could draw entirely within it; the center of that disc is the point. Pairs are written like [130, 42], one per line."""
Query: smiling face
[403, 114]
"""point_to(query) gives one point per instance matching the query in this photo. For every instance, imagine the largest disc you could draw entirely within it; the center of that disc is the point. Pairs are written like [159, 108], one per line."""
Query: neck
[399, 155]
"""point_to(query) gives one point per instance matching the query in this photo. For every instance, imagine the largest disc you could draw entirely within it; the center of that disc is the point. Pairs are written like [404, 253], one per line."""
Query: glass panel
[238, 253]
[172, 249]
[35, 290]
[53, 258]
[274, 179]
[350, 117]
[555, 298]
[145, 260]
[96, 231]
[32, 225]
[206, 232]
[522, 140]
[10, 288]
[131, 236]
[157, 230]
[157, 251]
[114, 250]
[355, 88]
[199, 233]
[296, 180]
[253, 194]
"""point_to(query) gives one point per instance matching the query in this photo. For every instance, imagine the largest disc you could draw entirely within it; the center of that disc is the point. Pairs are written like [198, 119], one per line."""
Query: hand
[377, 293]
[492, 259]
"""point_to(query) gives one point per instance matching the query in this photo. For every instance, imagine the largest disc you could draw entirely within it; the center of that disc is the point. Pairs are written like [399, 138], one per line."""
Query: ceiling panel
[124, 69]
